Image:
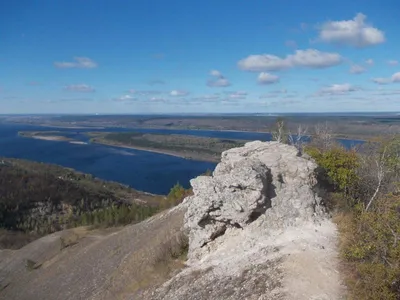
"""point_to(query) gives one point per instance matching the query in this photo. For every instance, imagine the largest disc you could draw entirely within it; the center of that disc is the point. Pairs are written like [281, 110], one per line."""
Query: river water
[142, 170]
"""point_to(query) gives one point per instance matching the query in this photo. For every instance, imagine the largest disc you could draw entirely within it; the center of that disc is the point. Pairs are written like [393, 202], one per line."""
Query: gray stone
[265, 179]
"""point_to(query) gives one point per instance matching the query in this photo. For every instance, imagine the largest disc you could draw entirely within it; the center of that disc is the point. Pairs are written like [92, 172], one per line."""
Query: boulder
[261, 179]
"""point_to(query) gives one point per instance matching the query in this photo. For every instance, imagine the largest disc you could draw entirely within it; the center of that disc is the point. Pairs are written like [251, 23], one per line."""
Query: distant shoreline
[54, 138]
[336, 136]
[166, 152]
[69, 127]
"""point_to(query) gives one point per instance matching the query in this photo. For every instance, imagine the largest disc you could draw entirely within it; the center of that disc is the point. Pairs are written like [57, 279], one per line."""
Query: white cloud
[263, 62]
[337, 89]
[357, 69]
[215, 73]
[396, 77]
[84, 88]
[393, 62]
[309, 58]
[79, 62]
[314, 59]
[369, 62]
[178, 93]
[382, 80]
[267, 78]
[355, 32]
[219, 80]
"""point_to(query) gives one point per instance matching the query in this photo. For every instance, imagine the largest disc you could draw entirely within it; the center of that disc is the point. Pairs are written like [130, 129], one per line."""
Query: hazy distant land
[351, 126]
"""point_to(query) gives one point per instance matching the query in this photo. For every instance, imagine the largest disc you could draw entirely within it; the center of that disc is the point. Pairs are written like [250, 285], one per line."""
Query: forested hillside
[38, 199]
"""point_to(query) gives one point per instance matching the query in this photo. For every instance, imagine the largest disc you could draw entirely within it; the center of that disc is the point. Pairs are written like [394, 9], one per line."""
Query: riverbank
[183, 146]
[170, 153]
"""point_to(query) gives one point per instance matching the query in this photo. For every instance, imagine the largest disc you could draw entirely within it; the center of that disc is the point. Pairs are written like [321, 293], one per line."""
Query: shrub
[339, 166]
[371, 247]
[177, 194]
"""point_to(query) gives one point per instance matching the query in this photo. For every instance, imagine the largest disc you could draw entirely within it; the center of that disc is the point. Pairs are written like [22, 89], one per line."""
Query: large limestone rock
[257, 231]
[262, 179]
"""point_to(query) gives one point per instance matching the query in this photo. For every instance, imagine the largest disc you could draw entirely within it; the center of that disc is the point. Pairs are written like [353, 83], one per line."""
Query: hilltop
[255, 229]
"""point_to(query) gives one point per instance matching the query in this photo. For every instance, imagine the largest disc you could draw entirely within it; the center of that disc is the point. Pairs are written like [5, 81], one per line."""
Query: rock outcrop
[265, 179]
[257, 230]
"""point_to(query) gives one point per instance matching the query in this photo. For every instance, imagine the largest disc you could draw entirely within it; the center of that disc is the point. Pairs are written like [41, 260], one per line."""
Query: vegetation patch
[38, 199]
[363, 186]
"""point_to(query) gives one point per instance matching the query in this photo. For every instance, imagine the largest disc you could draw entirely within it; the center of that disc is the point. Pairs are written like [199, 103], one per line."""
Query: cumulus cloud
[178, 93]
[369, 62]
[79, 62]
[263, 62]
[356, 32]
[219, 80]
[314, 59]
[357, 69]
[83, 88]
[382, 80]
[393, 62]
[267, 78]
[394, 79]
[309, 58]
[337, 89]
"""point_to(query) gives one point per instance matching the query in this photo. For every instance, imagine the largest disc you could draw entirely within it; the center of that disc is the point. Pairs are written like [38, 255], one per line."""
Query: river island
[185, 146]
[45, 135]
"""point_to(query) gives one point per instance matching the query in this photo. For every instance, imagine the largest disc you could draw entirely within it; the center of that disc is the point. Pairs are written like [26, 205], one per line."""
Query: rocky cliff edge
[257, 230]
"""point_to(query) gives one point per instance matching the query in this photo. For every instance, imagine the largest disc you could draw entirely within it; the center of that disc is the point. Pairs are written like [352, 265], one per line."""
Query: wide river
[142, 170]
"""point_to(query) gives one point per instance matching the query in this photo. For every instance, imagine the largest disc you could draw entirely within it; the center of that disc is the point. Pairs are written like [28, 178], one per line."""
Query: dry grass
[15, 239]
[174, 248]
[72, 237]
[370, 252]
[163, 261]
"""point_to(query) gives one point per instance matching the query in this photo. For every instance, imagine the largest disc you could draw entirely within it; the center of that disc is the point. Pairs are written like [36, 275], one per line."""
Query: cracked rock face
[261, 180]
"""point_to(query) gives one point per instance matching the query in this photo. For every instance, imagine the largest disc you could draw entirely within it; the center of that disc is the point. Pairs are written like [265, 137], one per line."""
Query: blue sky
[148, 56]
